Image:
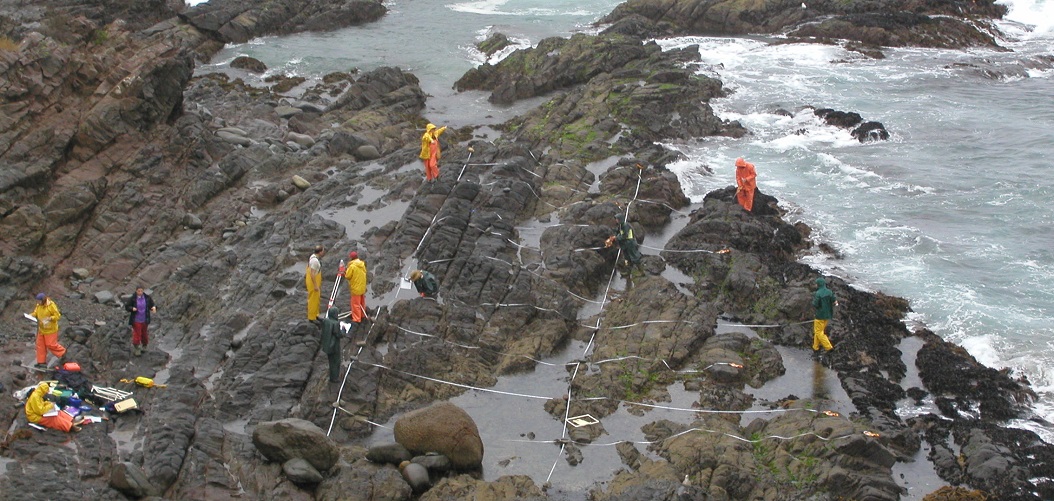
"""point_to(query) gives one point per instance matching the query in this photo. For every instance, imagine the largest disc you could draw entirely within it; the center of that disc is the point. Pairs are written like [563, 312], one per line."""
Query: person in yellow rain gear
[47, 314]
[823, 302]
[44, 413]
[430, 152]
[313, 282]
[355, 273]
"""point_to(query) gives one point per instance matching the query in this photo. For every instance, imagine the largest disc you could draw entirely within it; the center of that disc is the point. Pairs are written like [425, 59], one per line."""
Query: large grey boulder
[344, 142]
[131, 481]
[388, 454]
[280, 441]
[443, 428]
[367, 152]
[250, 64]
[285, 111]
[103, 297]
[301, 139]
[300, 471]
[416, 476]
[192, 221]
[233, 138]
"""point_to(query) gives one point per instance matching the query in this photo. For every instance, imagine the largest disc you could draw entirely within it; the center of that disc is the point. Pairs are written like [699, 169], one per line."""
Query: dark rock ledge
[867, 25]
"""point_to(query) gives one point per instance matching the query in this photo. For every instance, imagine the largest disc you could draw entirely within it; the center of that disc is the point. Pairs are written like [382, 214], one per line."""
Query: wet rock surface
[115, 175]
[910, 24]
[238, 21]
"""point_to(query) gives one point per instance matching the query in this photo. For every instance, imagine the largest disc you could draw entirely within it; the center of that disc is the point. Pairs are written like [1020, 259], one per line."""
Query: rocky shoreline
[119, 168]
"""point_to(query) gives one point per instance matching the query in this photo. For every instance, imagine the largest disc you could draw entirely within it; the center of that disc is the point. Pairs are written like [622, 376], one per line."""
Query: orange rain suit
[746, 183]
[430, 152]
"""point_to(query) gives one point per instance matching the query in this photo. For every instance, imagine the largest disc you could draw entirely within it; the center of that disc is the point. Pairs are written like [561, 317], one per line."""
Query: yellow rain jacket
[431, 135]
[356, 276]
[47, 316]
[313, 282]
[36, 406]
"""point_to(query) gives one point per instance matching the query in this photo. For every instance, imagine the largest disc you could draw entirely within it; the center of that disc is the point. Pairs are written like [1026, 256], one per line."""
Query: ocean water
[952, 213]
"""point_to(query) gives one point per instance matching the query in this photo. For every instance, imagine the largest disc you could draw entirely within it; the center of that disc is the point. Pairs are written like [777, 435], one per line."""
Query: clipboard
[125, 405]
[583, 420]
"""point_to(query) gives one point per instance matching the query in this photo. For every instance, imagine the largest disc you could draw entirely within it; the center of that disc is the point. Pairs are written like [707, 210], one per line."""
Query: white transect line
[585, 354]
[351, 363]
[562, 439]
[463, 167]
[690, 430]
[459, 385]
[588, 399]
[589, 345]
[466, 346]
[502, 353]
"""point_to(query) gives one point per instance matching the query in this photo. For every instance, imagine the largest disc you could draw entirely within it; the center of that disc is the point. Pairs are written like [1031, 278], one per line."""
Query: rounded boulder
[443, 428]
[280, 441]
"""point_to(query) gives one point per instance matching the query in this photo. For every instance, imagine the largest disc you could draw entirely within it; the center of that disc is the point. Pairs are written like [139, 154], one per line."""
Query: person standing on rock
[430, 151]
[425, 283]
[47, 314]
[331, 343]
[313, 281]
[139, 308]
[355, 273]
[823, 303]
[746, 183]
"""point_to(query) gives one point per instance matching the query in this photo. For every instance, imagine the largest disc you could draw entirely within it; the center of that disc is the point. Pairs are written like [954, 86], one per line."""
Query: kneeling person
[425, 283]
[45, 413]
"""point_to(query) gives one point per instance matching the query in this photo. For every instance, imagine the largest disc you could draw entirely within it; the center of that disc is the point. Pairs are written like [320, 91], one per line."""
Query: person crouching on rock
[425, 283]
[331, 343]
[44, 413]
[626, 242]
[139, 308]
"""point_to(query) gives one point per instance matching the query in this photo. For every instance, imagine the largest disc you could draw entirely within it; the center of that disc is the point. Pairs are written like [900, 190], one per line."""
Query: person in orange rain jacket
[746, 183]
[430, 152]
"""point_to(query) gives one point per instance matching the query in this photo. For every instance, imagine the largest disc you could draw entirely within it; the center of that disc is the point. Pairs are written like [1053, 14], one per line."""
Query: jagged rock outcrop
[74, 121]
[69, 21]
[910, 24]
[239, 21]
[861, 130]
[612, 85]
